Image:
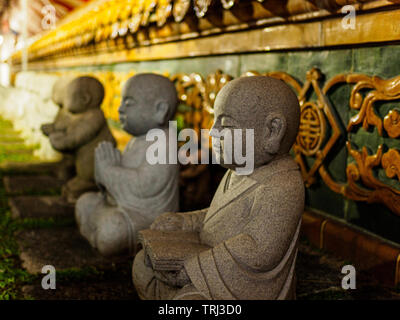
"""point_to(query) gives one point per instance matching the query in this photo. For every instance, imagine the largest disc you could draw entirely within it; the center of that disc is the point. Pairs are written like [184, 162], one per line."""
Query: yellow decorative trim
[397, 271]
[144, 30]
[321, 235]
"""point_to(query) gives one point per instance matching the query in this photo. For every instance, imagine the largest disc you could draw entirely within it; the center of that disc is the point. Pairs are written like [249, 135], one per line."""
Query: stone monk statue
[244, 246]
[134, 192]
[78, 130]
[67, 164]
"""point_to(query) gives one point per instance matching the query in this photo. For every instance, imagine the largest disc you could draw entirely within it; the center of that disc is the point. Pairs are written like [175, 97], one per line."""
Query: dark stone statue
[78, 128]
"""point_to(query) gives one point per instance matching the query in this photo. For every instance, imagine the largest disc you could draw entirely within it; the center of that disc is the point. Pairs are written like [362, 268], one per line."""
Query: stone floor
[38, 236]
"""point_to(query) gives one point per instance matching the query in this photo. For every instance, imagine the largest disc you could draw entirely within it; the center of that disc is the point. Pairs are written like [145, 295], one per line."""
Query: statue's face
[136, 112]
[225, 121]
[260, 129]
[76, 99]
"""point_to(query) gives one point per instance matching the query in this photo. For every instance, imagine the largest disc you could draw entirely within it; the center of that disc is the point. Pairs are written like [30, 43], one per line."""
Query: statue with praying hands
[133, 191]
[244, 246]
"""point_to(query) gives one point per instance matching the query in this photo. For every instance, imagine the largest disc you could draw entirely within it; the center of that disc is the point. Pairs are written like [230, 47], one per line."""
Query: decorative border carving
[125, 24]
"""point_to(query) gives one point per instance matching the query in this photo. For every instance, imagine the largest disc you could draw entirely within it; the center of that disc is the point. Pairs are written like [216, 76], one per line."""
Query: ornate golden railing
[118, 25]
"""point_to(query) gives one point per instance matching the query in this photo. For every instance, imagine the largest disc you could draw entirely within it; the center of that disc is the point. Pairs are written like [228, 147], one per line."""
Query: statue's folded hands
[77, 134]
[47, 128]
[169, 221]
[106, 156]
[173, 278]
[185, 221]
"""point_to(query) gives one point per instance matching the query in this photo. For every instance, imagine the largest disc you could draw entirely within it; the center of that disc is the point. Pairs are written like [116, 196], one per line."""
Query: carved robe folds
[252, 229]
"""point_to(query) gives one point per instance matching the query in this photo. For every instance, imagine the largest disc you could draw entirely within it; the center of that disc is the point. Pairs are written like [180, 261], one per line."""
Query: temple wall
[370, 61]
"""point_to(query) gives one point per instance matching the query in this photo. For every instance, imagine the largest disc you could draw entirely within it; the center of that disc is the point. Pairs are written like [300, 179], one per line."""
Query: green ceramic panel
[380, 61]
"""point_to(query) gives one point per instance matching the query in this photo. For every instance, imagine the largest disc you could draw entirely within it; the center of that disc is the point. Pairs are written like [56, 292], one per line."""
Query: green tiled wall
[380, 61]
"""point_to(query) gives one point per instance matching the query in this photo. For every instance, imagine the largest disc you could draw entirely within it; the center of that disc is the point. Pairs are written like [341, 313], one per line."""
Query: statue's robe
[253, 229]
[135, 190]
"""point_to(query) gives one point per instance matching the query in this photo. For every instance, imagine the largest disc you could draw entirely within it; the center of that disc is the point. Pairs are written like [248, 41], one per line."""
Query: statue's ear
[161, 114]
[276, 130]
[86, 98]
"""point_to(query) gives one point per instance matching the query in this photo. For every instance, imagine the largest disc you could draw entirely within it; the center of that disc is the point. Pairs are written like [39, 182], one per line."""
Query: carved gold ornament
[311, 130]
[94, 25]
[180, 9]
[201, 7]
[163, 12]
[362, 181]
[391, 123]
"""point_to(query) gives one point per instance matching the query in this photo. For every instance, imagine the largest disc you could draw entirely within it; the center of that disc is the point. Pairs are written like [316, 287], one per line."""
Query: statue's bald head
[148, 101]
[265, 104]
[153, 87]
[83, 93]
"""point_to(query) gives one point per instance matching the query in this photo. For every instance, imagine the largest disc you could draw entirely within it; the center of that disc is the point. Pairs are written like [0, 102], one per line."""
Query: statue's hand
[47, 129]
[174, 279]
[169, 221]
[57, 140]
[107, 156]
[97, 175]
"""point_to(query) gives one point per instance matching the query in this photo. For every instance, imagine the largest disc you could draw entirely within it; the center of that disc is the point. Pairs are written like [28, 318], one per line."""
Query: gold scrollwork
[381, 90]
[362, 184]
[391, 163]
[391, 123]
[375, 191]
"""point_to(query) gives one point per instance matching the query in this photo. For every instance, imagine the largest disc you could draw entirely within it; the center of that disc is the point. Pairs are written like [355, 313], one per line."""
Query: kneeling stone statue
[244, 246]
[134, 192]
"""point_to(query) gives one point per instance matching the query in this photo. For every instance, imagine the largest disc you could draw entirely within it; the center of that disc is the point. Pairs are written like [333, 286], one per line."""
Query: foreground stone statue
[134, 192]
[244, 246]
[80, 126]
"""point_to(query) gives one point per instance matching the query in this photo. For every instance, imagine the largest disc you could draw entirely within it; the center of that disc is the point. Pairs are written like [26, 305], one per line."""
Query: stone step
[32, 184]
[7, 143]
[19, 151]
[9, 137]
[63, 248]
[40, 207]
[32, 167]
[114, 289]
[9, 131]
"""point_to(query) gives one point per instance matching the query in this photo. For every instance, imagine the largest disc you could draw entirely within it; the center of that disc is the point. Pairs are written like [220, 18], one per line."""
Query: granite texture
[252, 225]
[80, 126]
[133, 192]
